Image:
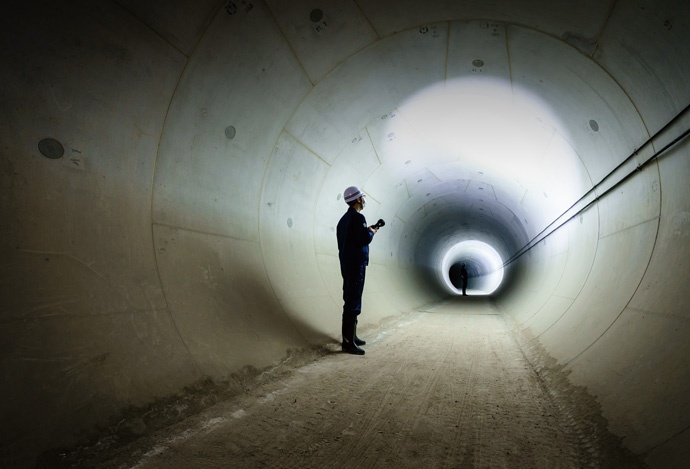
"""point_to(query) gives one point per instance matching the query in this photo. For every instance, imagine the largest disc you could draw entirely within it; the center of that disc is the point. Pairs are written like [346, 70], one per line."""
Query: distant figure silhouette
[463, 277]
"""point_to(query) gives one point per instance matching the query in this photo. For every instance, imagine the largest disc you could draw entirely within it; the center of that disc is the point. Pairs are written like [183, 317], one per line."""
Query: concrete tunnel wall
[188, 229]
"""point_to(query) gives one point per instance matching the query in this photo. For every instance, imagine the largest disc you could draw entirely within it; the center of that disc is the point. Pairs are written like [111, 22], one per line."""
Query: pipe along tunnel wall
[172, 177]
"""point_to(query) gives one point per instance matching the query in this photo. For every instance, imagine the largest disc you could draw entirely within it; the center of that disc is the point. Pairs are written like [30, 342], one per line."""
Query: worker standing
[463, 276]
[354, 237]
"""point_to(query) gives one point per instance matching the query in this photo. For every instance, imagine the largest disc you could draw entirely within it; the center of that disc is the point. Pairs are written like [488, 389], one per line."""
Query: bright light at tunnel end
[481, 259]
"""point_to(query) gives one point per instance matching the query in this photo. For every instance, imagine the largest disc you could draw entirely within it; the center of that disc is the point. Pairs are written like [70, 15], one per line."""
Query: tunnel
[173, 173]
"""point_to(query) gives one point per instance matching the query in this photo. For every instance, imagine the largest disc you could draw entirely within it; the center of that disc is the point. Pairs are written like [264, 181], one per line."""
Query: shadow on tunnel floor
[466, 305]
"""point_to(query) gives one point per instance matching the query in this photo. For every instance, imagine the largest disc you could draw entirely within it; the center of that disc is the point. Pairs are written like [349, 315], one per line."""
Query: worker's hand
[373, 228]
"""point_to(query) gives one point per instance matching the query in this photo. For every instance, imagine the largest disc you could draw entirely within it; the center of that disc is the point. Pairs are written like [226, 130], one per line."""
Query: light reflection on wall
[474, 166]
[474, 125]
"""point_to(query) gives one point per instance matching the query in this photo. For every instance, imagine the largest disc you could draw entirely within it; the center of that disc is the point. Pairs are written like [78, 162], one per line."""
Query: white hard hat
[352, 193]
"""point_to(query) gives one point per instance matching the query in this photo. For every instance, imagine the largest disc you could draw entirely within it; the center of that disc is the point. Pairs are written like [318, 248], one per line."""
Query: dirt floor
[444, 387]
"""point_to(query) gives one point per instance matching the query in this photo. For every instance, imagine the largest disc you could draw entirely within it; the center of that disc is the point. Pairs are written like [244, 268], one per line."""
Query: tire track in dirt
[461, 415]
[365, 450]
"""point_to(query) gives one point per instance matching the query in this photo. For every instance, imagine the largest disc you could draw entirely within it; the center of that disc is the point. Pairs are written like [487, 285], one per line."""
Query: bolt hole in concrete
[51, 148]
[316, 15]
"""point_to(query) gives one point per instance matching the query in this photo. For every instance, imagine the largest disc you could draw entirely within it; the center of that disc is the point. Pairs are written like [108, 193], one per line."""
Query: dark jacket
[353, 241]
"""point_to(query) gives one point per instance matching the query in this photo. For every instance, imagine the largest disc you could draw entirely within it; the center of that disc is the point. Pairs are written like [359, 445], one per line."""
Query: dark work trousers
[353, 286]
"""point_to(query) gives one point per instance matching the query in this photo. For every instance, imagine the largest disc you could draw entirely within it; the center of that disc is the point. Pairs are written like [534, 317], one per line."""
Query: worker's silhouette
[354, 237]
[463, 278]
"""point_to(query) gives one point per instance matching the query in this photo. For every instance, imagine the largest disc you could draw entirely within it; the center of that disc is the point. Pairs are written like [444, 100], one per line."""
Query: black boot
[349, 345]
[358, 341]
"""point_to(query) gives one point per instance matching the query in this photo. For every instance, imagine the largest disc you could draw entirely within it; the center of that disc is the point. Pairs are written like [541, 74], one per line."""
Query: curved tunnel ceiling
[188, 230]
[451, 126]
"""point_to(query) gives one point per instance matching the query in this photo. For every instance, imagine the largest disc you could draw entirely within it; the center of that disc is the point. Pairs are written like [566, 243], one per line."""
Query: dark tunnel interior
[172, 176]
